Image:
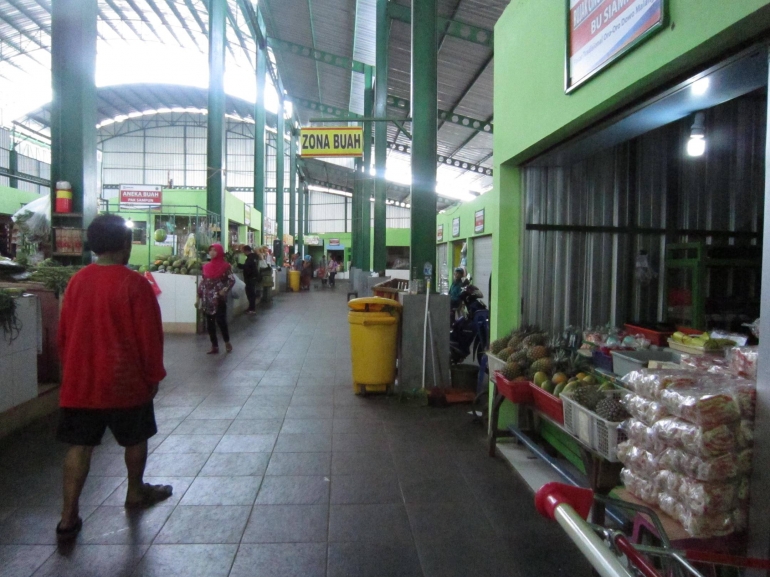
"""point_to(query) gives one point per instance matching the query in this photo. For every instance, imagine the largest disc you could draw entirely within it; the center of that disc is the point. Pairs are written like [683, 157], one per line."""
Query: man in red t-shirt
[111, 346]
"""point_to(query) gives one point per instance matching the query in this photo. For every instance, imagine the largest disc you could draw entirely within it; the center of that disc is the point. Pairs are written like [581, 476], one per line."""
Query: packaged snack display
[714, 525]
[742, 361]
[698, 497]
[714, 469]
[642, 436]
[744, 434]
[641, 462]
[704, 363]
[650, 382]
[639, 486]
[644, 409]
[707, 408]
[745, 459]
[694, 439]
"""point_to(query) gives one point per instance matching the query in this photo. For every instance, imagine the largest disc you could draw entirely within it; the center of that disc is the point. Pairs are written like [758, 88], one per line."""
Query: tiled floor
[279, 470]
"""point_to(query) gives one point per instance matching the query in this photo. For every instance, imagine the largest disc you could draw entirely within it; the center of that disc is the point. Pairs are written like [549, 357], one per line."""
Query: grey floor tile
[94, 561]
[175, 465]
[449, 488]
[170, 413]
[307, 426]
[205, 524]
[293, 490]
[303, 443]
[222, 491]
[202, 427]
[373, 560]
[310, 412]
[287, 524]
[468, 557]
[23, 560]
[258, 412]
[318, 464]
[447, 522]
[246, 443]
[187, 561]
[365, 488]
[358, 426]
[311, 400]
[254, 426]
[369, 523]
[362, 462]
[280, 560]
[116, 525]
[235, 465]
[189, 444]
[215, 412]
[179, 484]
[359, 442]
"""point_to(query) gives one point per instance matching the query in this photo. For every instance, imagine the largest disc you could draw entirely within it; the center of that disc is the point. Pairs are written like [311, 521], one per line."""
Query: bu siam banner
[140, 196]
[598, 31]
[337, 141]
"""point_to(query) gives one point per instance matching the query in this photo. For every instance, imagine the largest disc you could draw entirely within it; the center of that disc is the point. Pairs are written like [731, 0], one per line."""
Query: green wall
[532, 113]
[12, 199]
[393, 237]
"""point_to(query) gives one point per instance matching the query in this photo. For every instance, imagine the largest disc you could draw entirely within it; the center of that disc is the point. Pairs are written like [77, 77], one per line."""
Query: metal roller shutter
[482, 264]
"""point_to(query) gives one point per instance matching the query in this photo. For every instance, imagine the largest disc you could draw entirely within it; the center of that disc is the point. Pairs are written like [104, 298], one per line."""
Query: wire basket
[600, 435]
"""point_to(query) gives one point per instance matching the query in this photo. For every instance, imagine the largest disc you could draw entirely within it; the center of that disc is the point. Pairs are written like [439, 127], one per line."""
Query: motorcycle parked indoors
[469, 335]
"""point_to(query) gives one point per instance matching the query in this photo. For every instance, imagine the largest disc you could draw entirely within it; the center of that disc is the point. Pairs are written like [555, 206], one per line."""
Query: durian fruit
[511, 371]
[611, 409]
[588, 396]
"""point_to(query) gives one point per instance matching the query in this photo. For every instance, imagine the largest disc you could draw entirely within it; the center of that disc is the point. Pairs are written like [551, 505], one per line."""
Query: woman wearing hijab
[218, 279]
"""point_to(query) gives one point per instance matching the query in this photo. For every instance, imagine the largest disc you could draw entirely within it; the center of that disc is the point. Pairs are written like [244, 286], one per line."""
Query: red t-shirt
[110, 339]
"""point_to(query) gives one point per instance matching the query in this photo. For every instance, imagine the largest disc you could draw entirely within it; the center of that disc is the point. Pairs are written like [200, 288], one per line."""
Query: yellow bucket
[373, 343]
[294, 280]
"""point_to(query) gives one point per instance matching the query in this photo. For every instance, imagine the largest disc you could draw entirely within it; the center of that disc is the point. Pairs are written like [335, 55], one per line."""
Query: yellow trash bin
[373, 343]
[294, 280]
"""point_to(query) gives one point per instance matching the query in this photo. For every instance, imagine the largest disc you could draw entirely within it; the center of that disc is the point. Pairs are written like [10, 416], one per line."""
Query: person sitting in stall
[306, 273]
[455, 290]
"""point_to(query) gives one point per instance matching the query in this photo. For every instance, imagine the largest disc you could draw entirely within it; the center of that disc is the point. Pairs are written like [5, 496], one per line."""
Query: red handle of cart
[727, 560]
[569, 506]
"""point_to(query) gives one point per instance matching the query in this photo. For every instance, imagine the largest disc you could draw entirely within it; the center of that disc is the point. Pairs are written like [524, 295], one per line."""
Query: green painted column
[367, 182]
[301, 219]
[259, 140]
[279, 176]
[13, 166]
[355, 216]
[381, 136]
[73, 111]
[424, 112]
[215, 139]
[307, 210]
[293, 181]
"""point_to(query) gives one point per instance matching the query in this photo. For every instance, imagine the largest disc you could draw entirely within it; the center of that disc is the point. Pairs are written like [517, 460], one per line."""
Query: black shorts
[86, 426]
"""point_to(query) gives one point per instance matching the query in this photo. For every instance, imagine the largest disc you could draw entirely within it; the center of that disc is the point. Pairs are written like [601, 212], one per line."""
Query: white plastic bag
[34, 218]
[239, 289]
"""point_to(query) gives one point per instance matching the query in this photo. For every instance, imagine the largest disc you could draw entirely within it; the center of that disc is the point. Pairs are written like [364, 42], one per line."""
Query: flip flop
[69, 533]
[151, 495]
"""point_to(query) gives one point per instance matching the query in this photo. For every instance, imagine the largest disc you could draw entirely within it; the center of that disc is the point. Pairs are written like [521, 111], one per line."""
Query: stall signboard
[599, 31]
[246, 215]
[440, 233]
[313, 240]
[456, 227]
[140, 196]
[334, 242]
[336, 141]
[478, 221]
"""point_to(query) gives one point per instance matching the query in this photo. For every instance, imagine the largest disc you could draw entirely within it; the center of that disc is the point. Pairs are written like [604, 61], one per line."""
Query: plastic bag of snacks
[714, 400]
[694, 439]
[644, 409]
[704, 363]
[743, 361]
[744, 460]
[744, 434]
[641, 462]
[712, 469]
[650, 382]
[714, 525]
[639, 486]
[698, 497]
[642, 436]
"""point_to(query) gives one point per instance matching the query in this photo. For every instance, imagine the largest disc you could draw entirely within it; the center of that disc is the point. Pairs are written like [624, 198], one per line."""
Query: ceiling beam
[442, 160]
[447, 116]
[318, 55]
[197, 17]
[21, 52]
[453, 28]
[183, 22]
[122, 16]
[239, 36]
[162, 17]
[108, 22]
[32, 17]
[5, 18]
[312, 41]
[326, 109]
[145, 20]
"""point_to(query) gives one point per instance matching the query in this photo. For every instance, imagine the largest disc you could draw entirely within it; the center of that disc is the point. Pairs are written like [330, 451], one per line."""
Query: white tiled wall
[18, 360]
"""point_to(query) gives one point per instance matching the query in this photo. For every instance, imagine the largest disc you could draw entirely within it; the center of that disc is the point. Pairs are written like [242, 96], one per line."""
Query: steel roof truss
[122, 16]
[453, 28]
[239, 36]
[318, 55]
[5, 18]
[164, 21]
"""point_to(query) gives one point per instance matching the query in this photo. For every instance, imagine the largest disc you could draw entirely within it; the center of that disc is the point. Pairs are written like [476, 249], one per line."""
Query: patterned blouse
[209, 289]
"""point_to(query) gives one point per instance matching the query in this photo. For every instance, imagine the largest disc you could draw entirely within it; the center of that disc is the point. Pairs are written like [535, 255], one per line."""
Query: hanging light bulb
[696, 146]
